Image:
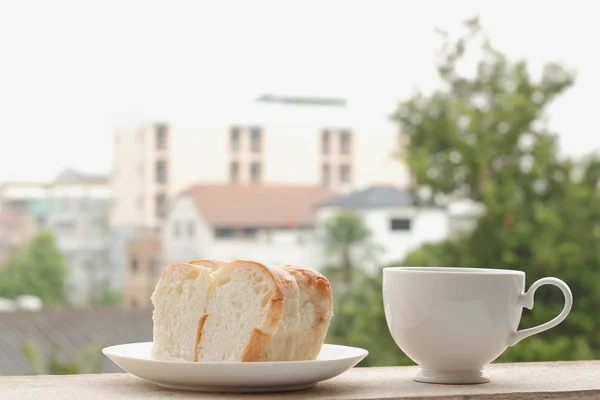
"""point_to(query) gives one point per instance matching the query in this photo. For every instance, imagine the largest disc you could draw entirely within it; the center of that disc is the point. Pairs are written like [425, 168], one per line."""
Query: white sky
[67, 68]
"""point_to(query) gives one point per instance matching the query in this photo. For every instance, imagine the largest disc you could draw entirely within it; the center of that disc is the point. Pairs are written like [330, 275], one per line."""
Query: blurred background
[341, 136]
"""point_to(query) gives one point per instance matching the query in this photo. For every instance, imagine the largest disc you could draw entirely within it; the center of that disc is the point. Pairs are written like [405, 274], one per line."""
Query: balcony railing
[560, 380]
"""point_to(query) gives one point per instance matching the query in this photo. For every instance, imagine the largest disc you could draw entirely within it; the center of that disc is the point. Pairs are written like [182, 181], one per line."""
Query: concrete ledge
[561, 380]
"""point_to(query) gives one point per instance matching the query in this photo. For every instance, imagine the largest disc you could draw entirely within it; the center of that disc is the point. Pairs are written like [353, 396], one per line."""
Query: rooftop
[71, 329]
[73, 176]
[303, 100]
[373, 197]
[258, 206]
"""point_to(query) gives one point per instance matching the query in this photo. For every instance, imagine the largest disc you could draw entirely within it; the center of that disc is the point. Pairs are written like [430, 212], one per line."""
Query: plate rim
[361, 354]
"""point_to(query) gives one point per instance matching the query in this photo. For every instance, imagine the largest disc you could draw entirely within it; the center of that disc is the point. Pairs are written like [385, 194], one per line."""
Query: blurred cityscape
[256, 186]
[467, 172]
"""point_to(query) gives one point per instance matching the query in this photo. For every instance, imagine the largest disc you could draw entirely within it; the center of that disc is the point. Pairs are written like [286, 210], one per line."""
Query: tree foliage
[87, 361]
[346, 237]
[359, 320]
[484, 137]
[106, 296]
[38, 269]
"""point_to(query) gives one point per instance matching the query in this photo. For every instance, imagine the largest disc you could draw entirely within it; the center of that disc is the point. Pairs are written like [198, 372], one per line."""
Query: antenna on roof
[303, 100]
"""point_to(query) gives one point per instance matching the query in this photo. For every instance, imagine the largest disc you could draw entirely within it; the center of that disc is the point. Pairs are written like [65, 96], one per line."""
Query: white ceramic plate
[253, 377]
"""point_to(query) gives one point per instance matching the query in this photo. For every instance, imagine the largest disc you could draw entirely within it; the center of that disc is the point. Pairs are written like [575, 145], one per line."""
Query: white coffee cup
[455, 321]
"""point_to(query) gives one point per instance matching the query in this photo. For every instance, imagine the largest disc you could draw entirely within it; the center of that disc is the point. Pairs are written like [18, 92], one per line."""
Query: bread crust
[258, 341]
[208, 263]
[259, 338]
[314, 279]
[199, 337]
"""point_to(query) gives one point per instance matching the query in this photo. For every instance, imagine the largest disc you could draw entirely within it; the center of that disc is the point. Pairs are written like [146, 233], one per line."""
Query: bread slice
[316, 311]
[245, 308]
[180, 310]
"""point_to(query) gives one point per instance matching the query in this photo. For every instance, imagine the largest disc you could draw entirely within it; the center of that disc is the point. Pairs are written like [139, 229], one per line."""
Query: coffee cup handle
[526, 300]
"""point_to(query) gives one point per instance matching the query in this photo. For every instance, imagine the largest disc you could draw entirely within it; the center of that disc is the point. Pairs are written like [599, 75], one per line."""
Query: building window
[64, 204]
[256, 140]
[140, 202]
[223, 233]
[161, 171]
[234, 140]
[345, 142]
[326, 175]
[249, 233]
[176, 229]
[160, 204]
[134, 264]
[191, 229]
[255, 172]
[152, 265]
[234, 172]
[325, 139]
[161, 137]
[345, 173]
[399, 224]
[65, 227]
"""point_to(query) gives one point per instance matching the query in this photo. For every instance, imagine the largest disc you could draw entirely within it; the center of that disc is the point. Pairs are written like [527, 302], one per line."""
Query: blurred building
[78, 217]
[396, 224]
[16, 228]
[463, 216]
[29, 198]
[275, 140]
[270, 223]
[143, 268]
[317, 146]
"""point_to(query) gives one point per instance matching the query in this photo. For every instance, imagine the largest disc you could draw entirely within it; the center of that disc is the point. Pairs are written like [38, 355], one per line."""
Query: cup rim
[453, 271]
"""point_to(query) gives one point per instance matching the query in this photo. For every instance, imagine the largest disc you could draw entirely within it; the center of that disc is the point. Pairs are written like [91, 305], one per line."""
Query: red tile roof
[258, 205]
[9, 217]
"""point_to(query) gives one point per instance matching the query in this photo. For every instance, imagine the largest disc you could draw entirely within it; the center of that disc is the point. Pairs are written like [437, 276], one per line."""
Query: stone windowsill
[562, 380]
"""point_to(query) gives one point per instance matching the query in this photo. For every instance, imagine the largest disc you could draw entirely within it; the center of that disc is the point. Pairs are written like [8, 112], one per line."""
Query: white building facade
[78, 217]
[395, 224]
[273, 141]
[275, 225]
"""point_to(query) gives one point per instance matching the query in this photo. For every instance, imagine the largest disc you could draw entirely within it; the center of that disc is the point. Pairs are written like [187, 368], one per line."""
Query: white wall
[375, 160]
[427, 225]
[184, 248]
[198, 152]
[130, 179]
[281, 246]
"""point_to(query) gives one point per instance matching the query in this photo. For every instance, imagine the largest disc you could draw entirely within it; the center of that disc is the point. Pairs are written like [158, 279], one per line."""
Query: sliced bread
[245, 308]
[210, 310]
[179, 301]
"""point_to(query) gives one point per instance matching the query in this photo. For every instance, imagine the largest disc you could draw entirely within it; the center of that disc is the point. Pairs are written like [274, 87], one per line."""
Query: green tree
[39, 269]
[87, 361]
[359, 320]
[484, 138]
[106, 297]
[344, 235]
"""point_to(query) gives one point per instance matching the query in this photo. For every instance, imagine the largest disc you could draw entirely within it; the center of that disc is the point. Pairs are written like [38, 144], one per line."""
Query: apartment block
[287, 140]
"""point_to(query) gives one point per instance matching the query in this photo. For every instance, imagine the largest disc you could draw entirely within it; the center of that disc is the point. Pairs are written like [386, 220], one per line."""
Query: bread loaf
[248, 312]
